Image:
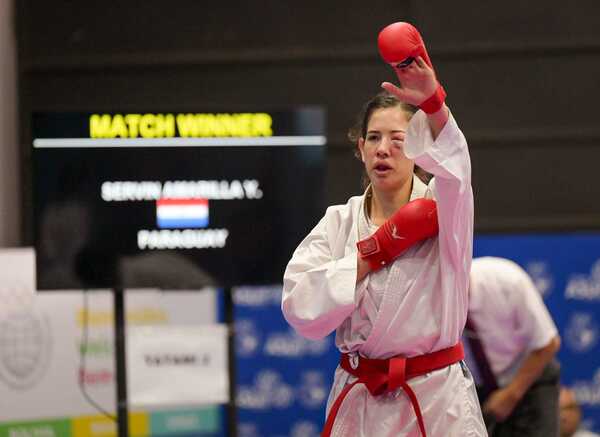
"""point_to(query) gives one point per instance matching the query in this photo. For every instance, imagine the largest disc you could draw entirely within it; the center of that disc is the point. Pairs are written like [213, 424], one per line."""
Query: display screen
[174, 200]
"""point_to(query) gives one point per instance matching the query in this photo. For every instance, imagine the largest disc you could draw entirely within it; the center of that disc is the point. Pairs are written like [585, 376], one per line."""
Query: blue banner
[283, 380]
[566, 271]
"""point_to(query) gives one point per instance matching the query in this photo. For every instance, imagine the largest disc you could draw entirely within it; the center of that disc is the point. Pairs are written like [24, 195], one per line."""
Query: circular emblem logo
[24, 348]
[582, 332]
[247, 338]
[313, 391]
[541, 277]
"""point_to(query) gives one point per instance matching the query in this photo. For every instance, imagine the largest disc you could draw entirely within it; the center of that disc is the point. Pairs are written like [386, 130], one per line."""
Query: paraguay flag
[182, 213]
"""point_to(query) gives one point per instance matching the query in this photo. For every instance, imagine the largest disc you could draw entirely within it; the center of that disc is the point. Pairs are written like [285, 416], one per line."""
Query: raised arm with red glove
[401, 46]
[415, 221]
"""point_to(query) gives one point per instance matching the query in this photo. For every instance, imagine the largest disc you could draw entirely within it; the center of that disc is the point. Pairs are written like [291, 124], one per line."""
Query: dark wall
[523, 80]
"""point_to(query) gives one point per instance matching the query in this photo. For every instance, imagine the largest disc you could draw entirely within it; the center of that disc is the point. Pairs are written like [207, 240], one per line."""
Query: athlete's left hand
[501, 403]
[417, 82]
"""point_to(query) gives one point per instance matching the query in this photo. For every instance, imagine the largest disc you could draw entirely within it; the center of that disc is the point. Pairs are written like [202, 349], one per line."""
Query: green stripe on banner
[45, 428]
[205, 420]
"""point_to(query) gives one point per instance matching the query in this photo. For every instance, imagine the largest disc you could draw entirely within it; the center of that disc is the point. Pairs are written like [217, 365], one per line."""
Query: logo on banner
[540, 274]
[269, 391]
[256, 296]
[181, 213]
[25, 345]
[582, 332]
[304, 428]
[585, 287]
[247, 338]
[247, 429]
[291, 345]
[313, 391]
[587, 393]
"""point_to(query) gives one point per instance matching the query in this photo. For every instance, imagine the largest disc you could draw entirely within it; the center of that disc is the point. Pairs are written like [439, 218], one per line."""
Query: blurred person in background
[511, 342]
[570, 415]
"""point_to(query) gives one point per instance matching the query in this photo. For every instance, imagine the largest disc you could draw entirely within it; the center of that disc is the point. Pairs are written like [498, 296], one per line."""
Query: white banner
[52, 341]
[177, 365]
[17, 280]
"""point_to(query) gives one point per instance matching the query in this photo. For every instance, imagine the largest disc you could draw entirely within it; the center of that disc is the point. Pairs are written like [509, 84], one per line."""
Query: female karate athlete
[389, 269]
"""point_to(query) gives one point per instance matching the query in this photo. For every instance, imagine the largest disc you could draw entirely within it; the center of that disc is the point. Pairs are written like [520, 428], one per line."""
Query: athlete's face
[382, 151]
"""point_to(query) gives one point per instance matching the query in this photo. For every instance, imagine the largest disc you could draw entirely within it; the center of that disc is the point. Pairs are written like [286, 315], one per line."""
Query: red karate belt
[384, 376]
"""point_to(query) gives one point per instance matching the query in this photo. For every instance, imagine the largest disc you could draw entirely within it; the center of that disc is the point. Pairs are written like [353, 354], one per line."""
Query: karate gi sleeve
[318, 288]
[447, 158]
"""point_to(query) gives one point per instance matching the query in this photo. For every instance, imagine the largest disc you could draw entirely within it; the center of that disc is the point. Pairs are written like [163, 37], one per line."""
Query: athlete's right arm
[319, 288]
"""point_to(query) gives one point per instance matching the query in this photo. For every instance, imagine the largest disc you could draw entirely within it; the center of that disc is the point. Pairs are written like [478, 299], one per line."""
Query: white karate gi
[414, 306]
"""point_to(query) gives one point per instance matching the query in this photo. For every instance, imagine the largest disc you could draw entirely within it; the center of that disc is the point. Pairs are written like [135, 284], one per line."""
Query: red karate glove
[399, 44]
[415, 221]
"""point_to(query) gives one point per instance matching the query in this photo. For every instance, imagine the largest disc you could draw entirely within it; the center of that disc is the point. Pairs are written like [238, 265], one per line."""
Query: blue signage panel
[566, 271]
[283, 380]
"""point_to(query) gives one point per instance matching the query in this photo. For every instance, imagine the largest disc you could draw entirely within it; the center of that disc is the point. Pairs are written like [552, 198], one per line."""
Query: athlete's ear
[361, 148]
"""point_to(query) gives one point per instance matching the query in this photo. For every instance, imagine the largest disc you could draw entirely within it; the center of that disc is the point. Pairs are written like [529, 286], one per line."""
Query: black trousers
[536, 415]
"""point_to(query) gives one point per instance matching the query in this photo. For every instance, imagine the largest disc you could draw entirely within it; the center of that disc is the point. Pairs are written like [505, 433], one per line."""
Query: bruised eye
[398, 141]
